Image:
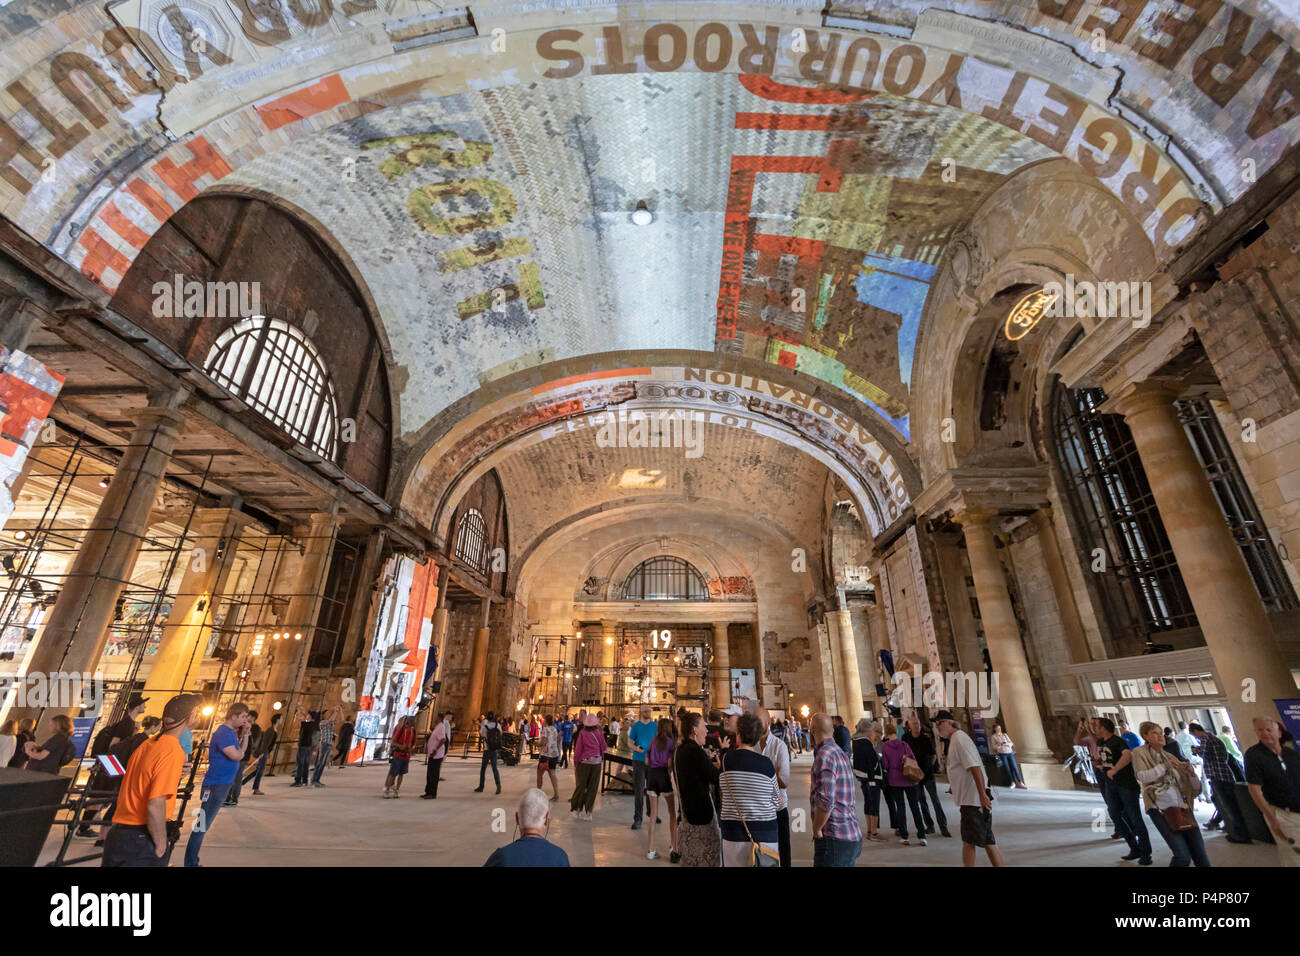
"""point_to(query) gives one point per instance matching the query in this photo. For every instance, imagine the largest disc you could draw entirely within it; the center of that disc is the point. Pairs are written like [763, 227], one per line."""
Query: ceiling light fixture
[642, 216]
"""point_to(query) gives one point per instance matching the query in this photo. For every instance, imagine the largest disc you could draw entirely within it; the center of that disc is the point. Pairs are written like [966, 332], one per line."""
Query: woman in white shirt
[1169, 784]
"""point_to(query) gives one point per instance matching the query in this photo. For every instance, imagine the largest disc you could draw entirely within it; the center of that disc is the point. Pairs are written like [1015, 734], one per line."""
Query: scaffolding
[234, 619]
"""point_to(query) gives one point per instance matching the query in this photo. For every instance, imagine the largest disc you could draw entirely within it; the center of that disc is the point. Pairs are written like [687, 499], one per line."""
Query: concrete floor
[348, 823]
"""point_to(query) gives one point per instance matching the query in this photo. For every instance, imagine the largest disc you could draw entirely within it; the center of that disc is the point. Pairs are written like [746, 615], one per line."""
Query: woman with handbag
[696, 778]
[866, 767]
[1169, 789]
[903, 773]
[750, 835]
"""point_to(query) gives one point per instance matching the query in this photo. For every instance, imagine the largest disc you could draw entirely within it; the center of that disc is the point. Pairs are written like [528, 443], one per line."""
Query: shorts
[657, 780]
[977, 826]
[398, 766]
[548, 763]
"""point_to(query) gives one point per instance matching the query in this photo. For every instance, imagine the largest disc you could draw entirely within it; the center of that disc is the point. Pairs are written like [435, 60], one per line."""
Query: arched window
[1107, 488]
[471, 541]
[665, 579]
[275, 369]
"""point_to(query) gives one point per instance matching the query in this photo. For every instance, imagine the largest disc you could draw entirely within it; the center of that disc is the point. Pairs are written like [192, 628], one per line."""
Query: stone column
[76, 631]
[208, 558]
[952, 575]
[1002, 635]
[1070, 620]
[721, 666]
[478, 664]
[608, 660]
[1236, 628]
[850, 681]
[284, 681]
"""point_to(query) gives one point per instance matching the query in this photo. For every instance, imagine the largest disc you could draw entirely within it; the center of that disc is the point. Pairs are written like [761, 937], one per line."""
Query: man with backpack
[399, 756]
[490, 732]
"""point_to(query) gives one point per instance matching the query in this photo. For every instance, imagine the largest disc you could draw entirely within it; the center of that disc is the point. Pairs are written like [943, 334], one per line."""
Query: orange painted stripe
[320, 96]
[151, 199]
[100, 255]
[589, 377]
[117, 221]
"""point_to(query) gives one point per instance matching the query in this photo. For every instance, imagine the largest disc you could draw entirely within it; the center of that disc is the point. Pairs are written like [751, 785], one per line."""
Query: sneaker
[904, 841]
[396, 794]
[922, 842]
[297, 785]
[318, 784]
[478, 789]
[85, 832]
[99, 843]
[674, 857]
[427, 796]
[652, 855]
[231, 803]
[636, 826]
[258, 793]
[388, 793]
[498, 789]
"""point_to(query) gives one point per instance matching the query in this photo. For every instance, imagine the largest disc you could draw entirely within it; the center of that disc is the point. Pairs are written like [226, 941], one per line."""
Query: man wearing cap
[730, 715]
[105, 741]
[147, 797]
[969, 792]
[1214, 758]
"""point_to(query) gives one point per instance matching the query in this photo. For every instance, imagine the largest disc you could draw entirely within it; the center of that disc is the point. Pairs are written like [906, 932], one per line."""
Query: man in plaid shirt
[324, 743]
[837, 838]
[1222, 783]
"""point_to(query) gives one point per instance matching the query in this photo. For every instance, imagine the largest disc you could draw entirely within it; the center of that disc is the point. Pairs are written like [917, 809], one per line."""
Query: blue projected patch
[899, 286]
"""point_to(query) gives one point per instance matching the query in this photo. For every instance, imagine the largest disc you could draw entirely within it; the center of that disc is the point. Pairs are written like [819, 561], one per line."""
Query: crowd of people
[721, 779]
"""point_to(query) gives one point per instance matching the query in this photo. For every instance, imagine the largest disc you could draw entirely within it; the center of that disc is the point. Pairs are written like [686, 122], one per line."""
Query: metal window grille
[471, 540]
[276, 370]
[1108, 491]
[1237, 504]
[665, 579]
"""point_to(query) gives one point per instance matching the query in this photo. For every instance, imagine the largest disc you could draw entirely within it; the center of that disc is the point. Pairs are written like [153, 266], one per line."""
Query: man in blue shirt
[227, 748]
[566, 739]
[1130, 738]
[640, 734]
[532, 848]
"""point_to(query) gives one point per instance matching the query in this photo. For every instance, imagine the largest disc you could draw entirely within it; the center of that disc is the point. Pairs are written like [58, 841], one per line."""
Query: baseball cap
[135, 701]
[733, 710]
[943, 715]
[180, 707]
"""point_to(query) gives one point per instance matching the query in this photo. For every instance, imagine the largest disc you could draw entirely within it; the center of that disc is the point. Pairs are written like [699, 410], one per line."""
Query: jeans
[928, 786]
[1008, 762]
[888, 792]
[828, 851]
[130, 846]
[212, 799]
[239, 782]
[261, 768]
[639, 797]
[1187, 846]
[901, 798]
[1124, 810]
[431, 776]
[489, 756]
[322, 762]
[1224, 795]
[783, 836]
[302, 770]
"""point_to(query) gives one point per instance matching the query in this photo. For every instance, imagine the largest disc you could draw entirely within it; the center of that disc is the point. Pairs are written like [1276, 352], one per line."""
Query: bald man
[837, 838]
[774, 749]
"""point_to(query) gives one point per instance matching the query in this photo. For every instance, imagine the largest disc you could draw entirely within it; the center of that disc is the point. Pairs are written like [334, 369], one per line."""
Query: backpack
[494, 737]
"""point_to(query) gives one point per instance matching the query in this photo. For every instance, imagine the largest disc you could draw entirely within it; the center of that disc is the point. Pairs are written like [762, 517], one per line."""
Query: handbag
[1179, 818]
[912, 770]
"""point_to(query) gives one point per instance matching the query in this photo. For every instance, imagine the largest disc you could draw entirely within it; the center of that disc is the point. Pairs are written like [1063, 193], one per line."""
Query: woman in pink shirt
[588, 755]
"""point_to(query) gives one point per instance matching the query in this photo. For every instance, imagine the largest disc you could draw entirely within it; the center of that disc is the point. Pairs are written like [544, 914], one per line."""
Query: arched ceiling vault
[806, 167]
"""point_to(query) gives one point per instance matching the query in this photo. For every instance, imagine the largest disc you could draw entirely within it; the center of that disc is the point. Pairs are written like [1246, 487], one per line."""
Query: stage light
[207, 710]
[277, 705]
[103, 482]
[609, 640]
[297, 637]
[803, 710]
[20, 535]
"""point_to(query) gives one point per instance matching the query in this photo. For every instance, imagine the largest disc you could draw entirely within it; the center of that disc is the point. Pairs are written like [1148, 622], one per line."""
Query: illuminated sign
[1028, 312]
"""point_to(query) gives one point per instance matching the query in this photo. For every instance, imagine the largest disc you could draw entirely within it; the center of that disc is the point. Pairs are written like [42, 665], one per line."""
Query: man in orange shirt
[147, 797]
